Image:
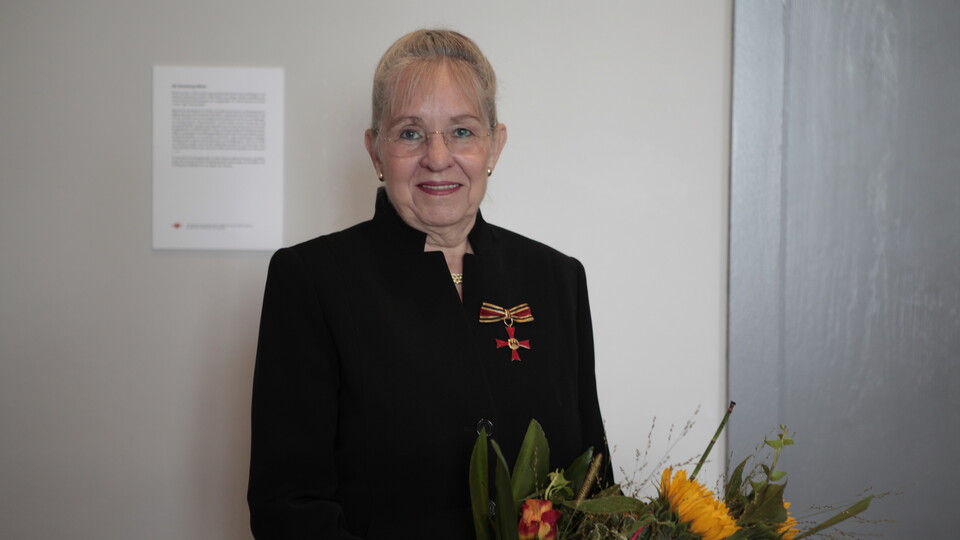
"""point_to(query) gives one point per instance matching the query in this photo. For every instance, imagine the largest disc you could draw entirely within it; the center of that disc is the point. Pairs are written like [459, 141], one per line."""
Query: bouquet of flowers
[533, 502]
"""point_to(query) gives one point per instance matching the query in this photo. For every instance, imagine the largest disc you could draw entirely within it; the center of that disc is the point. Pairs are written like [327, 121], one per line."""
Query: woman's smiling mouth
[439, 189]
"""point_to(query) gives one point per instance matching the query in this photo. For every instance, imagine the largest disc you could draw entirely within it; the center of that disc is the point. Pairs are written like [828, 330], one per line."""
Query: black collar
[385, 216]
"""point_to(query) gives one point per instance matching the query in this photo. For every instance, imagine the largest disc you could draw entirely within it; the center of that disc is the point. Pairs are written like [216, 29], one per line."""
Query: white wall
[125, 372]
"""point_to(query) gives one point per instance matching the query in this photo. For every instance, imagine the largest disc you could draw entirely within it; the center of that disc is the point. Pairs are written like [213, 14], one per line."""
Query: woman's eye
[410, 135]
[462, 133]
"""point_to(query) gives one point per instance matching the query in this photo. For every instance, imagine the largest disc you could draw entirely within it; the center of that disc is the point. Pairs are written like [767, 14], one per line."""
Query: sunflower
[707, 516]
[789, 527]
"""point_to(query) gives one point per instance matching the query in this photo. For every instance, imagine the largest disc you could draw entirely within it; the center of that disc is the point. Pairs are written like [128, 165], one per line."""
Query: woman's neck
[452, 252]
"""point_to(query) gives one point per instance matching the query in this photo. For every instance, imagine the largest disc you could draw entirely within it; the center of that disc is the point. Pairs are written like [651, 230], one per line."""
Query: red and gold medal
[491, 313]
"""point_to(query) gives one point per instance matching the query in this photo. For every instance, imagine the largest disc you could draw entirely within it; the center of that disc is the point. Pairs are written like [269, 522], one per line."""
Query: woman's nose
[437, 155]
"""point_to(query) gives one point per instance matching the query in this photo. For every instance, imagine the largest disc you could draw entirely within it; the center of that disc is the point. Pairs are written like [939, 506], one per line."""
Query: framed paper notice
[217, 158]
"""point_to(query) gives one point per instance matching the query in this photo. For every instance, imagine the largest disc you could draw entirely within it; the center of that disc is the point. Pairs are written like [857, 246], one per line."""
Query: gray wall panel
[861, 329]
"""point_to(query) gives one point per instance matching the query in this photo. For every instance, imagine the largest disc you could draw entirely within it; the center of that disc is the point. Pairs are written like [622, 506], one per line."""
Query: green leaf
[776, 443]
[757, 531]
[479, 490]
[767, 507]
[606, 492]
[639, 524]
[615, 504]
[732, 490]
[777, 476]
[739, 535]
[507, 506]
[851, 511]
[578, 470]
[533, 462]
[558, 488]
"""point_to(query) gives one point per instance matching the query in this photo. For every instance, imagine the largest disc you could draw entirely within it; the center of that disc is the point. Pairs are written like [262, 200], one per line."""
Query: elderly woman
[385, 347]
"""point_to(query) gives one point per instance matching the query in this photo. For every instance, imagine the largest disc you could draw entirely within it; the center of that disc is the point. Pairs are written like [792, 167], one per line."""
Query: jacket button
[485, 424]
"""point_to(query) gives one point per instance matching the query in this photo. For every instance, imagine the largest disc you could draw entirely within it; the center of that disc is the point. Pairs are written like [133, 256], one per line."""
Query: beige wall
[125, 372]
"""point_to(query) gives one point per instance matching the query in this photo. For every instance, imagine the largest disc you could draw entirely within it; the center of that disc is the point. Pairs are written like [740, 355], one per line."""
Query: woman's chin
[439, 218]
[443, 211]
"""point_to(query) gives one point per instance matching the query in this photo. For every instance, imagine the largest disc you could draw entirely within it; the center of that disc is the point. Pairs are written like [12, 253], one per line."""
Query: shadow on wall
[221, 413]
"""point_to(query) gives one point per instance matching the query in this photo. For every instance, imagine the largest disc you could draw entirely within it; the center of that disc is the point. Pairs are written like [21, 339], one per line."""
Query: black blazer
[372, 377]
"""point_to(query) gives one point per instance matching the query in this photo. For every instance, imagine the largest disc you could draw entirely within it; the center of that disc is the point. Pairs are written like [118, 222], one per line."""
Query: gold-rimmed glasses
[413, 141]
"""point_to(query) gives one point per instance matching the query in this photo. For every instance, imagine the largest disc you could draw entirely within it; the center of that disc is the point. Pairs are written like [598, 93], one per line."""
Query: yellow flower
[707, 516]
[789, 527]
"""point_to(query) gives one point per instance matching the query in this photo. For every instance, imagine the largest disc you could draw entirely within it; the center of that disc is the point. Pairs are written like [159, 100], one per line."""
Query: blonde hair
[416, 58]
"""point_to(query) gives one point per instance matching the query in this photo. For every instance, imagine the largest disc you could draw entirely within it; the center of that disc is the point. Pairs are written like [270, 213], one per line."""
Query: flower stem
[590, 479]
[713, 440]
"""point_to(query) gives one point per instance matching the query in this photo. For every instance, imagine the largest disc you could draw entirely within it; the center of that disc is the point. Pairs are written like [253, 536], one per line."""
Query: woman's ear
[499, 139]
[370, 142]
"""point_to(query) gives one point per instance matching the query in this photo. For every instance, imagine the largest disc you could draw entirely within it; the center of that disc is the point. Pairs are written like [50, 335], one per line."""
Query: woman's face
[436, 190]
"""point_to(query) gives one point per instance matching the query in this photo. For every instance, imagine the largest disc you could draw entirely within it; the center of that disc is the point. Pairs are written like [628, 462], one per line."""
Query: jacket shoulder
[330, 245]
[521, 247]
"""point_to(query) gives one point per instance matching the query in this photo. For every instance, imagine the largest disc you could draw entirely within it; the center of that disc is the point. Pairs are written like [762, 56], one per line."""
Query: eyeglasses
[413, 141]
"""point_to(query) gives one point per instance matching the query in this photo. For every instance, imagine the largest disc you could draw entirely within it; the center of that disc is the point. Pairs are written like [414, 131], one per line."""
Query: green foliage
[479, 491]
[608, 505]
[761, 511]
[507, 505]
[577, 470]
[847, 513]
[755, 500]
[533, 463]
[766, 506]
[733, 497]
[757, 531]
[558, 487]
[663, 523]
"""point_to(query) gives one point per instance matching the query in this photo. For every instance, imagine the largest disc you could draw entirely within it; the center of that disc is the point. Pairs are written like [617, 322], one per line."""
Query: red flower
[538, 520]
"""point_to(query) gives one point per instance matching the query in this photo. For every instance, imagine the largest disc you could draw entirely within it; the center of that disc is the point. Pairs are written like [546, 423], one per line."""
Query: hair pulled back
[416, 58]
